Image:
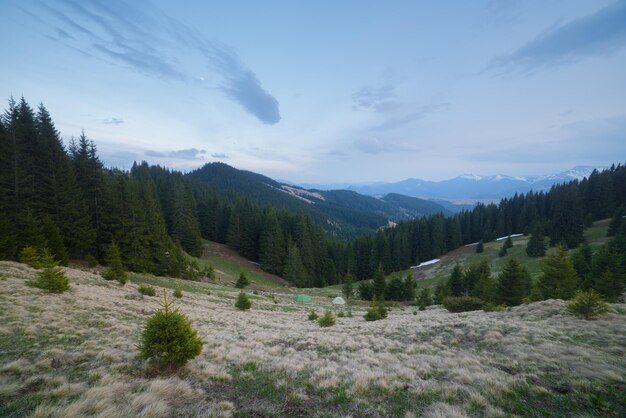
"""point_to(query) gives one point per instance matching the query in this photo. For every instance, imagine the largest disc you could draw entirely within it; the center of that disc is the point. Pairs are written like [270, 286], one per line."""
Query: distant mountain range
[343, 212]
[466, 188]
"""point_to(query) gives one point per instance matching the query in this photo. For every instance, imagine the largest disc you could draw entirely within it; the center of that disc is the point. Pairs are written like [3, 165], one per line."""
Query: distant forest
[65, 200]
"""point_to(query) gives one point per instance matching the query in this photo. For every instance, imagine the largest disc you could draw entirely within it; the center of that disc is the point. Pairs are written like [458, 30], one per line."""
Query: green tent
[301, 297]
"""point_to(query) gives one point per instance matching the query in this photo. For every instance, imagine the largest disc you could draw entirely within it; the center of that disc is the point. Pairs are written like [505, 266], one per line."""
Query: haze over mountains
[467, 188]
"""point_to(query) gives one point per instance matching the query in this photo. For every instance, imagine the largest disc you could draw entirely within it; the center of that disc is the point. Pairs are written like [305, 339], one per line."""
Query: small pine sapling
[146, 290]
[327, 320]
[115, 268]
[168, 338]
[313, 315]
[178, 293]
[51, 278]
[587, 305]
[242, 282]
[243, 303]
[30, 255]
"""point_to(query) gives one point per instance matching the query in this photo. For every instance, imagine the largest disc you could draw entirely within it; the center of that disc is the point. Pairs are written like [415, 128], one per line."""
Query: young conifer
[168, 338]
[243, 303]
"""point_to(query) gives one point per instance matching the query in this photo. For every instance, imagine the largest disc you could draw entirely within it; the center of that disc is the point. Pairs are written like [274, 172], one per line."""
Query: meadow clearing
[74, 355]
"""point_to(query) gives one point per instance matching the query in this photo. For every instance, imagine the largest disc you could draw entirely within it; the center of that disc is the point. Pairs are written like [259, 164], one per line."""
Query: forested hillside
[66, 201]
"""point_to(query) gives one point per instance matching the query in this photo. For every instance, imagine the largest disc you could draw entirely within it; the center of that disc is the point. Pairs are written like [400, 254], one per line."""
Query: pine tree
[536, 246]
[480, 247]
[508, 242]
[348, 287]
[587, 305]
[243, 303]
[456, 281]
[581, 260]
[559, 279]
[54, 240]
[272, 247]
[514, 283]
[616, 222]
[242, 282]
[168, 338]
[424, 300]
[115, 269]
[294, 269]
[378, 283]
[441, 291]
[503, 250]
[51, 278]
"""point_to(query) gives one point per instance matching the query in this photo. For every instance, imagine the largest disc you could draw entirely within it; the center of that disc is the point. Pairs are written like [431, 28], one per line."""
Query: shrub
[51, 278]
[178, 293]
[587, 305]
[168, 337]
[341, 314]
[242, 282]
[376, 311]
[491, 307]
[115, 268]
[462, 303]
[243, 303]
[327, 320]
[424, 300]
[91, 261]
[29, 255]
[146, 290]
[313, 315]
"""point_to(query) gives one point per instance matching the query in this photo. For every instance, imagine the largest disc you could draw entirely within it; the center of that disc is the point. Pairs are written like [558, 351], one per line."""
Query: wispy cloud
[600, 33]
[220, 156]
[182, 154]
[144, 39]
[409, 116]
[113, 121]
[380, 99]
[380, 145]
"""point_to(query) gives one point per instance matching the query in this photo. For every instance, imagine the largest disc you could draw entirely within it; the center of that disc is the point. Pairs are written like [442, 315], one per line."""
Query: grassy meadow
[74, 355]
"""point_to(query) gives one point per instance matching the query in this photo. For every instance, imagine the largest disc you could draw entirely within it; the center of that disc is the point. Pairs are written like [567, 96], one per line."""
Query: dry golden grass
[73, 355]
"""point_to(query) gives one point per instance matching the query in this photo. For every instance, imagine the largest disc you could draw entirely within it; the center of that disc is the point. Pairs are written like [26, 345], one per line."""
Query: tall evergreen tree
[455, 282]
[559, 279]
[294, 269]
[272, 245]
[347, 287]
[514, 283]
[378, 283]
[536, 246]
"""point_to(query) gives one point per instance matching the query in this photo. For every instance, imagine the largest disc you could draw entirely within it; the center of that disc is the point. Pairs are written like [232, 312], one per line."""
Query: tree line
[67, 201]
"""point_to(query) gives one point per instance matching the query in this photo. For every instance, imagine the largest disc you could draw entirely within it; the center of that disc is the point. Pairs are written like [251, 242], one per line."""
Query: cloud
[380, 99]
[183, 154]
[379, 146]
[220, 156]
[146, 40]
[409, 116]
[600, 33]
[113, 121]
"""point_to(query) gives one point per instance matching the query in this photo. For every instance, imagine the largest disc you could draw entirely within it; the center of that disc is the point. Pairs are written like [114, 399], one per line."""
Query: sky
[327, 91]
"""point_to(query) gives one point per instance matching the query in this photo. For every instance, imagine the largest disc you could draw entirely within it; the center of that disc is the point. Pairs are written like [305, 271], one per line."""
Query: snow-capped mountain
[471, 187]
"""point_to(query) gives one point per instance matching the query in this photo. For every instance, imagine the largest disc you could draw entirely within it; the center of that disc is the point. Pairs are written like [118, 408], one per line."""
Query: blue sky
[329, 91]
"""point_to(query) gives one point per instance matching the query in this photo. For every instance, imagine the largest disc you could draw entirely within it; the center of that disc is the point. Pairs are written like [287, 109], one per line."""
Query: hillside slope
[74, 355]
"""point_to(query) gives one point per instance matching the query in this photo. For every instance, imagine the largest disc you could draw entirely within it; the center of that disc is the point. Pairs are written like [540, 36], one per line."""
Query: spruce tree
[514, 283]
[480, 247]
[508, 242]
[347, 287]
[582, 261]
[242, 281]
[243, 303]
[456, 281]
[168, 338]
[272, 250]
[559, 279]
[295, 272]
[115, 269]
[424, 300]
[441, 291]
[378, 283]
[51, 278]
[536, 246]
